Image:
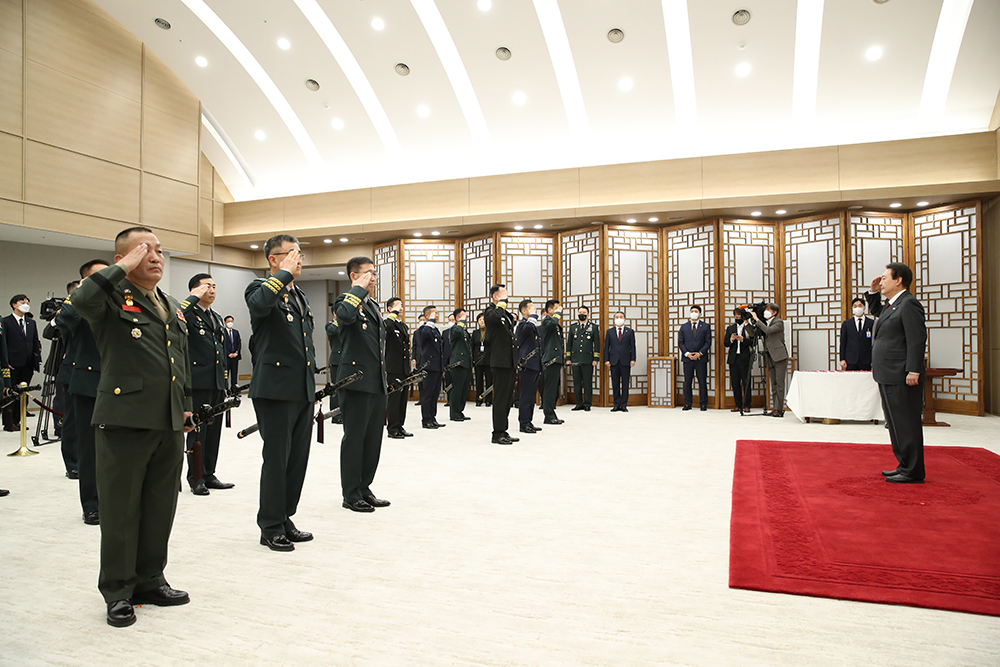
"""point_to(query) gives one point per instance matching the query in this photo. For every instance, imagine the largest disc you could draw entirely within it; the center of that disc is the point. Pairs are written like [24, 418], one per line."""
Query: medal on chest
[136, 333]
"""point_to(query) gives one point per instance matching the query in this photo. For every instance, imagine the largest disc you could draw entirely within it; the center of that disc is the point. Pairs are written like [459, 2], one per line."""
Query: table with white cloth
[849, 395]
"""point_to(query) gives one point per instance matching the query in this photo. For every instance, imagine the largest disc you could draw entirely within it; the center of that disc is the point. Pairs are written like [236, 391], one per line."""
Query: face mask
[583, 318]
[858, 312]
[398, 311]
[619, 322]
[24, 307]
[768, 314]
[432, 320]
[695, 315]
[229, 325]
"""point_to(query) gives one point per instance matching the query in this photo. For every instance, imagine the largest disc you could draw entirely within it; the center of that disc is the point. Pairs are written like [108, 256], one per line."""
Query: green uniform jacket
[461, 352]
[584, 343]
[333, 336]
[362, 341]
[284, 357]
[145, 371]
[207, 346]
[83, 360]
[553, 346]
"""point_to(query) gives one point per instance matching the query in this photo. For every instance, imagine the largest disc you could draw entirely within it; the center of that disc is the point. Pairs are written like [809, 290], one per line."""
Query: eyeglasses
[302, 255]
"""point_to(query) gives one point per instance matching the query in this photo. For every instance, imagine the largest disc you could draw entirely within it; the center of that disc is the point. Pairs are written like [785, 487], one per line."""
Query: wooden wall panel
[220, 191]
[11, 26]
[205, 220]
[170, 145]
[236, 257]
[70, 113]
[206, 176]
[11, 148]
[170, 205]
[256, 217]
[81, 184]
[666, 180]
[177, 241]
[954, 159]
[11, 91]
[543, 189]
[163, 90]
[420, 200]
[40, 217]
[755, 174]
[340, 208]
[11, 212]
[218, 218]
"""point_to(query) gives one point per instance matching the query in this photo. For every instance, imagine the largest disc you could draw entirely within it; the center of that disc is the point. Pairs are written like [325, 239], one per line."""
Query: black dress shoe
[406, 434]
[779, 414]
[164, 596]
[200, 489]
[502, 440]
[376, 502]
[396, 435]
[431, 425]
[704, 409]
[554, 422]
[120, 614]
[623, 410]
[358, 506]
[72, 474]
[577, 408]
[528, 429]
[586, 408]
[458, 419]
[890, 473]
[277, 543]
[466, 419]
[4, 492]
[438, 424]
[686, 408]
[615, 409]
[216, 483]
[92, 518]
[296, 535]
[903, 479]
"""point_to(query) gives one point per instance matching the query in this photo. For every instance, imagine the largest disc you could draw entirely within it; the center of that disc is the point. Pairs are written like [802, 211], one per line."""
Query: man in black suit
[739, 340]
[234, 351]
[619, 356]
[503, 361]
[899, 340]
[24, 352]
[431, 352]
[856, 340]
[397, 366]
[695, 341]
[528, 340]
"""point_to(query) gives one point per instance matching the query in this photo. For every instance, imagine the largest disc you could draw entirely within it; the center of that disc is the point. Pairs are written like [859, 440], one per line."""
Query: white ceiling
[573, 115]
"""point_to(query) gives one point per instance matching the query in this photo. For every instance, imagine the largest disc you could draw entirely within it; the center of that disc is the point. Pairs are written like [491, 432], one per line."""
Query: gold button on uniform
[168, 343]
[173, 378]
[277, 363]
[172, 360]
[118, 390]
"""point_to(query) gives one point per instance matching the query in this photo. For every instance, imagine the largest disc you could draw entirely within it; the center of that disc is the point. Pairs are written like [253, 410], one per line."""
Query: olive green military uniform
[283, 390]
[144, 390]
[209, 373]
[362, 337]
[583, 348]
[553, 349]
[333, 337]
[461, 375]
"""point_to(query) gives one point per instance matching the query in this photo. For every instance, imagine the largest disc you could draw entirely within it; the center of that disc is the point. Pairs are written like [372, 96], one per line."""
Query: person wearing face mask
[583, 351]
[461, 375]
[528, 340]
[397, 366]
[503, 361]
[24, 352]
[481, 361]
[775, 353]
[695, 341]
[619, 357]
[234, 351]
[430, 344]
[740, 341]
[856, 340]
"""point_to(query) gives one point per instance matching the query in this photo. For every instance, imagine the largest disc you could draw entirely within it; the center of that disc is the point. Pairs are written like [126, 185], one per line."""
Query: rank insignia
[128, 300]
[180, 316]
[136, 333]
[286, 297]
[364, 325]
[201, 331]
[290, 318]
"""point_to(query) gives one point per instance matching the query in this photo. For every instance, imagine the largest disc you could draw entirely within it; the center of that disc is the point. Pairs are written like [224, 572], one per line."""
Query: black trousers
[859, 367]
[484, 378]
[334, 397]
[620, 375]
[396, 405]
[503, 392]
[83, 412]
[12, 414]
[583, 384]
[430, 390]
[233, 366]
[739, 377]
[691, 369]
[550, 389]
[364, 419]
[526, 401]
[903, 407]
[68, 429]
[461, 378]
[208, 436]
[286, 427]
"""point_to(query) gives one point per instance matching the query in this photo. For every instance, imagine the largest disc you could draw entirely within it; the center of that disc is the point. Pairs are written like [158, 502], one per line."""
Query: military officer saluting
[553, 349]
[461, 374]
[333, 339]
[583, 350]
[503, 360]
[397, 366]
[430, 344]
[142, 410]
[209, 370]
[282, 388]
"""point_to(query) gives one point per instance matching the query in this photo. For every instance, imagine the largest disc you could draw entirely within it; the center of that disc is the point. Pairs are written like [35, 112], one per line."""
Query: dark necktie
[619, 334]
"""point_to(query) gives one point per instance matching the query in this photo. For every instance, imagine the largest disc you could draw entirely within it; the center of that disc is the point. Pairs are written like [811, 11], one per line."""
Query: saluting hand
[292, 263]
[135, 256]
[200, 291]
[364, 281]
[877, 285]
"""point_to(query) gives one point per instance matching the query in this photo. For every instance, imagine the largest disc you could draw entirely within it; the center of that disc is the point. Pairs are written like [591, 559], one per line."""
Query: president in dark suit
[24, 352]
[619, 356]
[740, 341]
[695, 341]
[899, 340]
[856, 340]
[234, 351]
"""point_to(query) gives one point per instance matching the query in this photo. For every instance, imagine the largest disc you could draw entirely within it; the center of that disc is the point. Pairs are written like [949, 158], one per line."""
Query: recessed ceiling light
[625, 84]
[340, 273]
[484, 5]
[503, 53]
[895, 205]
[630, 221]
[654, 219]
[423, 111]
[518, 228]
[519, 98]
[873, 53]
[923, 203]
[616, 35]
[343, 239]
[417, 234]
[200, 61]
[596, 222]
[260, 135]
[402, 69]
[162, 23]
[284, 44]
[312, 84]
[337, 123]
[378, 23]
[755, 213]
[538, 226]
[327, 240]
[742, 69]
[741, 17]
[435, 233]
[780, 211]
[254, 246]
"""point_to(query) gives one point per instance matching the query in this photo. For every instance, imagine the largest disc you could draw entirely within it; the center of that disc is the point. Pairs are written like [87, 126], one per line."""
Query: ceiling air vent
[402, 69]
[312, 84]
[503, 53]
[162, 23]
[359, 238]
[741, 17]
[676, 217]
[616, 35]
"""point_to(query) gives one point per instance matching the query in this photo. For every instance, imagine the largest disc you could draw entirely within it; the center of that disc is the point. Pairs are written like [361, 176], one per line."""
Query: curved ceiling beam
[323, 26]
[455, 68]
[554, 31]
[224, 143]
[805, 70]
[944, 55]
[678, 29]
[260, 77]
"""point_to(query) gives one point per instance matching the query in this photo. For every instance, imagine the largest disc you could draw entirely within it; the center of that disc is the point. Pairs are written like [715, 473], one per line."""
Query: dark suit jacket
[430, 347]
[236, 345]
[621, 352]
[899, 338]
[500, 337]
[23, 350]
[855, 346]
[746, 345]
[397, 347]
[690, 340]
[528, 339]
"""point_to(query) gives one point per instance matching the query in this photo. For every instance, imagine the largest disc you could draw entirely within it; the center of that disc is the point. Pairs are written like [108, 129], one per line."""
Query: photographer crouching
[775, 353]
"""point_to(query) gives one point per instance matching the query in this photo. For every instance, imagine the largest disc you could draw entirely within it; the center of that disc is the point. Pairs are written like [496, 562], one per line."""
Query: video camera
[743, 311]
[50, 307]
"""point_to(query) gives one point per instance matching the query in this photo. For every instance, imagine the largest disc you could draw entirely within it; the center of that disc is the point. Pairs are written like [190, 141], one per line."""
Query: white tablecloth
[834, 395]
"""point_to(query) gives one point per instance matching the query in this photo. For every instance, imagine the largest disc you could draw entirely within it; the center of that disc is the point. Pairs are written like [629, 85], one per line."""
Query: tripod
[56, 352]
[755, 356]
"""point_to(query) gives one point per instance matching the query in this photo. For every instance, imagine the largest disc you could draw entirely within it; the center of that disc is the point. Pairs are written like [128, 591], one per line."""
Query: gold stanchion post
[24, 451]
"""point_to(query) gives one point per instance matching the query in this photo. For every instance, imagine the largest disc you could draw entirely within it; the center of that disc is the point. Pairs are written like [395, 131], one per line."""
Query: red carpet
[817, 519]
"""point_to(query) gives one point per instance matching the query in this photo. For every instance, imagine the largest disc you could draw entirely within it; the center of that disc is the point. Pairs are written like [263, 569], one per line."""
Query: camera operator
[58, 366]
[776, 354]
[740, 341]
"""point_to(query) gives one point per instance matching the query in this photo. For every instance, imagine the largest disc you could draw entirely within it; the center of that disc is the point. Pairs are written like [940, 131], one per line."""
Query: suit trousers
[550, 389]
[503, 390]
[208, 436]
[777, 370]
[82, 408]
[526, 401]
[286, 428]
[583, 384]
[620, 374]
[233, 366]
[395, 407]
[459, 395]
[903, 407]
[138, 471]
[430, 390]
[364, 419]
[739, 377]
[484, 378]
[68, 430]
[697, 368]
[12, 414]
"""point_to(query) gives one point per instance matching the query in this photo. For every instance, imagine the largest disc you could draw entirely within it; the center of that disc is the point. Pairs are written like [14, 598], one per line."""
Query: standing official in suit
[739, 340]
[528, 340]
[503, 361]
[899, 340]
[583, 351]
[397, 366]
[554, 349]
[282, 388]
[362, 333]
[856, 340]
[775, 353]
[208, 379]
[695, 341]
[333, 340]
[461, 375]
[24, 352]
[619, 356]
[431, 344]
[142, 410]
[481, 362]
[234, 351]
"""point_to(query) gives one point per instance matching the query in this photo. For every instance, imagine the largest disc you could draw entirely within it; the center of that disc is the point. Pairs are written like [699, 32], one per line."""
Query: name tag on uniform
[130, 308]
[482, 348]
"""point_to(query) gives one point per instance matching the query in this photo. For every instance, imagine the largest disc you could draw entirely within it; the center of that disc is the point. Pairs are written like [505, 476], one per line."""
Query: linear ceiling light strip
[352, 70]
[226, 148]
[455, 68]
[554, 31]
[678, 28]
[944, 55]
[805, 72]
